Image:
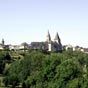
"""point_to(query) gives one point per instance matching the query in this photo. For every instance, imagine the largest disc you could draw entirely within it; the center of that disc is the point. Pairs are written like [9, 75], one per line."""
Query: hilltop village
[47, 45]
[48, 64]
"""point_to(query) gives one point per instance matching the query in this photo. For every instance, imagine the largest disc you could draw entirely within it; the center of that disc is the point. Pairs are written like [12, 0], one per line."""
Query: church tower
[58, 41]
[3, 42]
[48, 39]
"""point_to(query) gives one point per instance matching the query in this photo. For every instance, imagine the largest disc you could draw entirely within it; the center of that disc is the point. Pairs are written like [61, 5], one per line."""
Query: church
[54, 45]
[48, 45]
[2, 45]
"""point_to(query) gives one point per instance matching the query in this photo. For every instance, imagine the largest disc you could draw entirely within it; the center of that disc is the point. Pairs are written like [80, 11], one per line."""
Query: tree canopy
[56, 70]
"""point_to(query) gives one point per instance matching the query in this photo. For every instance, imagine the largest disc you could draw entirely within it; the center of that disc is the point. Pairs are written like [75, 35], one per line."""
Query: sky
[29, 20]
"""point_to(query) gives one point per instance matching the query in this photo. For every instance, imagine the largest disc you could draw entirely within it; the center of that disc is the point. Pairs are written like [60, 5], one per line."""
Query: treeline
[55, 70]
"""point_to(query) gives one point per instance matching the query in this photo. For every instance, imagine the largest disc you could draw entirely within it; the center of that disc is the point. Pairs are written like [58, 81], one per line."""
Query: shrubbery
[55, 70]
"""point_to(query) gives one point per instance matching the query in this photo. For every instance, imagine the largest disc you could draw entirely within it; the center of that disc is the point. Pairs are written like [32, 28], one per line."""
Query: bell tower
[58, 42]
[3, 42]
[48, 37]
[48, 40]
[57, 39]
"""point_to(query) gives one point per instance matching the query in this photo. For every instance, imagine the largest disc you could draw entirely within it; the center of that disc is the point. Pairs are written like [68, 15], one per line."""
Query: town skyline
[28, 21]
[47, 34]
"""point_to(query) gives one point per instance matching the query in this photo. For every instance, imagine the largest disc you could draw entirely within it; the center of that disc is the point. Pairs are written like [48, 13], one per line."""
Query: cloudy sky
[29, 20]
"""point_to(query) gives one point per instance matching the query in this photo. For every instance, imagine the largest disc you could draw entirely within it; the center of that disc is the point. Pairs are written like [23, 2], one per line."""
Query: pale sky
[29, 20]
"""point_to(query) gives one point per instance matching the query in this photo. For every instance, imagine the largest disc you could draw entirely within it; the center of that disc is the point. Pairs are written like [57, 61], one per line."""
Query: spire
[57, 37]
[3, 42]
[58, 42]
[48, 37]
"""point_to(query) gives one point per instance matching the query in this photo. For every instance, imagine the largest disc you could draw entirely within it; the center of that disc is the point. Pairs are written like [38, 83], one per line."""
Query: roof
[48, 36]
[86, 50]
[37, 45]
[57, 37]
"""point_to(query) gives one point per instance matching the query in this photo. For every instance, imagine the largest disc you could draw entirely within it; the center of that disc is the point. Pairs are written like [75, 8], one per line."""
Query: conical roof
[48, 36]
[3, 41]
[57, 37]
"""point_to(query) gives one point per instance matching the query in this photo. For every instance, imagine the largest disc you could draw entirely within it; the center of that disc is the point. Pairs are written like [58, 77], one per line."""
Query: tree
[55, 70]
[68, 70]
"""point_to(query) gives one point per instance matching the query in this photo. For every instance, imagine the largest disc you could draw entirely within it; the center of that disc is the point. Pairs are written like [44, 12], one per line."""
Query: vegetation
[37, 69]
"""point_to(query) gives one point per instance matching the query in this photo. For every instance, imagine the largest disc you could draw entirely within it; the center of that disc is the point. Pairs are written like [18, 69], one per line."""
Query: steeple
[48, 37]
[57, 38]
[3, 42]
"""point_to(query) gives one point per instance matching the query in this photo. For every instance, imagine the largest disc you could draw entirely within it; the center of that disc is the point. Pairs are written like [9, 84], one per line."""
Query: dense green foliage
[4, 58]
[56, 70]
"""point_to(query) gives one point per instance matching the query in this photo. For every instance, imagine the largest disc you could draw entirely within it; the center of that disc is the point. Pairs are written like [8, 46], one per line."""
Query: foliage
[55, 70]
[4, 58]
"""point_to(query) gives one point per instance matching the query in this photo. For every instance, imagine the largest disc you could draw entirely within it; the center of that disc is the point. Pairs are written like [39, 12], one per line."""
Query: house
[85, 50]
[19, 47]
[67, 47]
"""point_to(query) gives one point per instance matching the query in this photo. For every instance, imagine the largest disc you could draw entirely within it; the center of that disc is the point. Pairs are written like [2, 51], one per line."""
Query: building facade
[48, 45]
